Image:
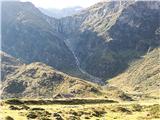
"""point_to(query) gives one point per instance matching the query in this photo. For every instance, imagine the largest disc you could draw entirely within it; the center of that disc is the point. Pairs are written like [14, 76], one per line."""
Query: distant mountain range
[59, 13]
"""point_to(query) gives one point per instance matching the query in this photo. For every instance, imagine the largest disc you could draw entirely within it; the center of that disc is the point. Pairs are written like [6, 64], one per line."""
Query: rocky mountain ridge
[103, 38]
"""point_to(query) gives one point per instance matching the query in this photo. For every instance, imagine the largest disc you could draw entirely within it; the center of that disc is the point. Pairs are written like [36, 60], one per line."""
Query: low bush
[154, 111]
[14, 101]
[38, 114]
[137, 107]
[32, 115]
[19, 107]
[57, 116]
[121, 109]
[37, 109]
[8, 118]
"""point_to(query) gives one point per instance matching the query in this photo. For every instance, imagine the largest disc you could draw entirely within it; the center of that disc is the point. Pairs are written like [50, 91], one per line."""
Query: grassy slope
[40, 80]
[37, 80]
[142, 75]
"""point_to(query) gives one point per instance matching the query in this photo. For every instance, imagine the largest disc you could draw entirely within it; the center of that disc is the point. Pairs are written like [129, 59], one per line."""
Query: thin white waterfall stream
[93, 78]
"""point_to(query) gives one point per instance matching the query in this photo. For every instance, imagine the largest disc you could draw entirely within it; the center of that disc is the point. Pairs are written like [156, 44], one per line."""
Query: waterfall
[93, 78]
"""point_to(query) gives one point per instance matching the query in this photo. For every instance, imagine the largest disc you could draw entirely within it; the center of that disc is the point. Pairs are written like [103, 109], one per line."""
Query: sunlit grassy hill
[142, 75]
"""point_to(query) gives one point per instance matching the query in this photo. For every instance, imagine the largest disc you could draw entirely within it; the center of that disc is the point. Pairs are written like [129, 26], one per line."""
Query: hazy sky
[62, 3]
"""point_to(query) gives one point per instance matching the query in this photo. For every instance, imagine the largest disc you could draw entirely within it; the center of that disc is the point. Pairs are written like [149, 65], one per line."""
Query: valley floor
[135, 110]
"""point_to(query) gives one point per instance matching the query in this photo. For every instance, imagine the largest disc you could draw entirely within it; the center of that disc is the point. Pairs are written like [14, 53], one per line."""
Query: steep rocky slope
[141, 76]
[26, 34]
[108, 35]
